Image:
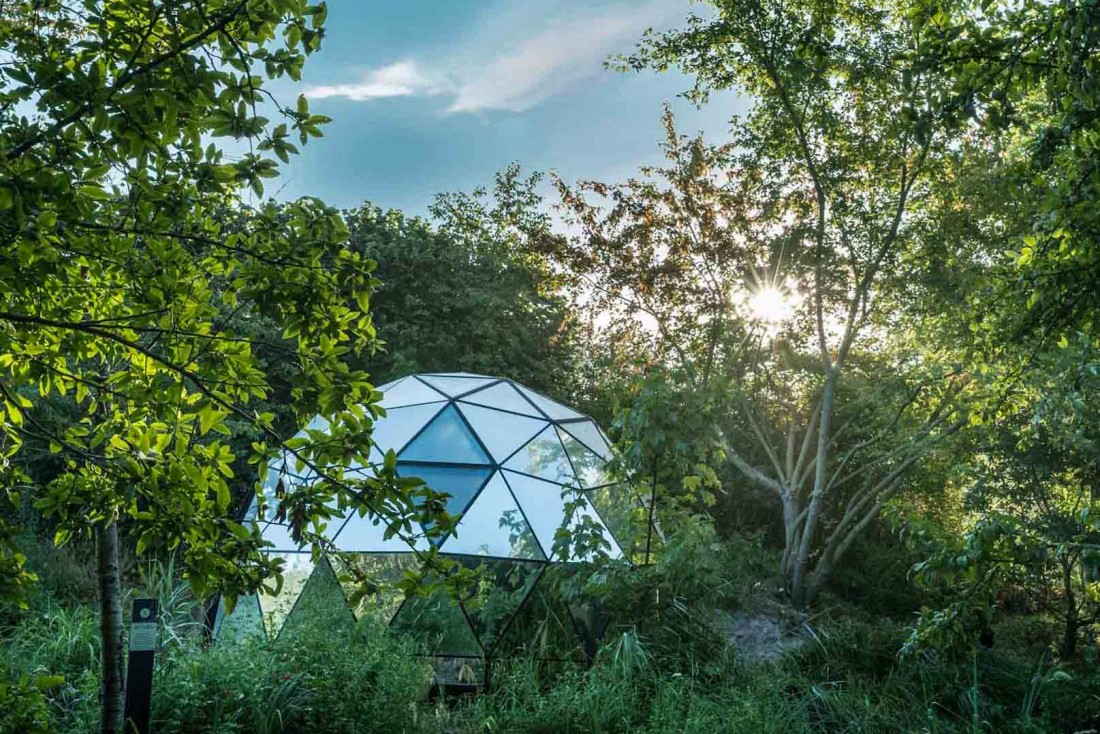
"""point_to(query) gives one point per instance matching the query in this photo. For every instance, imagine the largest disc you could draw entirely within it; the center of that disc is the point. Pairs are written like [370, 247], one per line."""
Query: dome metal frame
[469, 434]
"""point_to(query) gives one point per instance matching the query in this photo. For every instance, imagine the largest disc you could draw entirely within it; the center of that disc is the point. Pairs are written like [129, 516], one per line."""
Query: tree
[1028, 74]
[805, 214]
[1034, 532]
[470, 292]
[129, 265]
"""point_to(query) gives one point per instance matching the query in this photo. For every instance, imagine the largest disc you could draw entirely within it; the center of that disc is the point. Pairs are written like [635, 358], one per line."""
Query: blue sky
[429, 96]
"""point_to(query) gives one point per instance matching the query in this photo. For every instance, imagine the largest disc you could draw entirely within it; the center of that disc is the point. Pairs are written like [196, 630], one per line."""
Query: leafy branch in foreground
[130, 265]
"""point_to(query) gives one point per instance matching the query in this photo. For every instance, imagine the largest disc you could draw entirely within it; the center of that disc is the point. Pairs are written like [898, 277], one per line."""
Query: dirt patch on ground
[765, 631]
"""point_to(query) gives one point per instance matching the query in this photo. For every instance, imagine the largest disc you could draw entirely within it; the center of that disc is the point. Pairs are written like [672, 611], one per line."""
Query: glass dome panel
[543, 457]
[446, 440]
[502, 433]
[503, 396]
[494, 525]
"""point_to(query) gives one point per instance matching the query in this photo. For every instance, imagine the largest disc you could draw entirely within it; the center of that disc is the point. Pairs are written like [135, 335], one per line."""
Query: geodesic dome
[510, 459]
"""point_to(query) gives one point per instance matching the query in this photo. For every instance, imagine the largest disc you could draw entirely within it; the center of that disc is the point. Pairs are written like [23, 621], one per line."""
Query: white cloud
[498, 71]
[402, 79]
[542, 65]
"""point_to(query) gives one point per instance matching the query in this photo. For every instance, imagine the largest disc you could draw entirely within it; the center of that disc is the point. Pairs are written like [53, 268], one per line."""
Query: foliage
[1027, 72]
[129, 273]
[23, 703]
[469, 292]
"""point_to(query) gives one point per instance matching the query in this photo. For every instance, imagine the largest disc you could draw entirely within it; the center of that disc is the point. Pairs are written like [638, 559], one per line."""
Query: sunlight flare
[772, 304]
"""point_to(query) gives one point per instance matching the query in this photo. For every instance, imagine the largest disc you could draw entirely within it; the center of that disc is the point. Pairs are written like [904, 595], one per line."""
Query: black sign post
[139, 669]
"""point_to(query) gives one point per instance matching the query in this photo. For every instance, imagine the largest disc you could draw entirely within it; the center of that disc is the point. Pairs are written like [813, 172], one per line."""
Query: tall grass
[663, 669]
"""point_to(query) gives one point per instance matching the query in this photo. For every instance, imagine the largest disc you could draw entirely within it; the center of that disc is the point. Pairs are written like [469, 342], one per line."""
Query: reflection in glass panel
[494, 526]
[454, 386]
[401, 424]
[438, 623]
[244, 621]
[297, 568]
[544, 505]
[380, 574]
[555, 410]
[591, 469]
[544, 457]
[624, 516]
[447, 439]
[498, 589]
[590, 435]
[503, 397]
[320, 606]
[409, 391]
[543, 626]
[502, 433]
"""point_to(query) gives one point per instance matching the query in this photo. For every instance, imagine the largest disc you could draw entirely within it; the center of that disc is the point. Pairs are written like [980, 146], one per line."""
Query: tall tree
[797, 225]
[123, 289]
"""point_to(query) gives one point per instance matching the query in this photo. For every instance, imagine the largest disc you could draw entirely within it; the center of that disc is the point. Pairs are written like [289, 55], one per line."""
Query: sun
[772, 305]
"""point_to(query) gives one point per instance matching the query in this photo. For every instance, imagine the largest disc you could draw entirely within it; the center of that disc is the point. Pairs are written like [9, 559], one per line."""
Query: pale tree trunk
[799, 597]
[110, 628]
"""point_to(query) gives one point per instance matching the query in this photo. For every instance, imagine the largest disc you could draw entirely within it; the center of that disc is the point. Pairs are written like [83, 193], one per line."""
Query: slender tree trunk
[799, 596]
[790, 531]
[110, 628]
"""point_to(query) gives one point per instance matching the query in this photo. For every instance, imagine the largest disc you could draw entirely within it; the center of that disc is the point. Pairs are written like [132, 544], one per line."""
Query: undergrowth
[668, 671]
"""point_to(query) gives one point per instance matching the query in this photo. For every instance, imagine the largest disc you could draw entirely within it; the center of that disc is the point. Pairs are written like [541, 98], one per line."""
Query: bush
[360, 679]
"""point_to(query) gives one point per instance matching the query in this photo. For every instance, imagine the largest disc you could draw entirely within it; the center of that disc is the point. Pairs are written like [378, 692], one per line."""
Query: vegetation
[848, 357]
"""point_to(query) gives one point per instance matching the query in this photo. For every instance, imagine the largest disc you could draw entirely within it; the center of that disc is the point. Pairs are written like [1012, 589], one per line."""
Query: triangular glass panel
[499, 588]
[297, 568]
[409, 391]
[502, 433]
[362, 535]
[321, 604]
[401, 424]
[447, 439]
[455, 374]
[542, 626]
[461, 482]
[544, 506]
[623, 515]
[590, 435]
[494, 526]
[389, 385]
[454, 386]
[439, 623]
[553, 409]
[503, 397]
[244, 621]
[590, 469]
[380, 573]
[544, 457]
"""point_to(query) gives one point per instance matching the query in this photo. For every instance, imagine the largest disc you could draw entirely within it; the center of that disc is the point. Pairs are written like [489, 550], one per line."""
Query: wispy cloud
[402, 79]
[517, 71]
